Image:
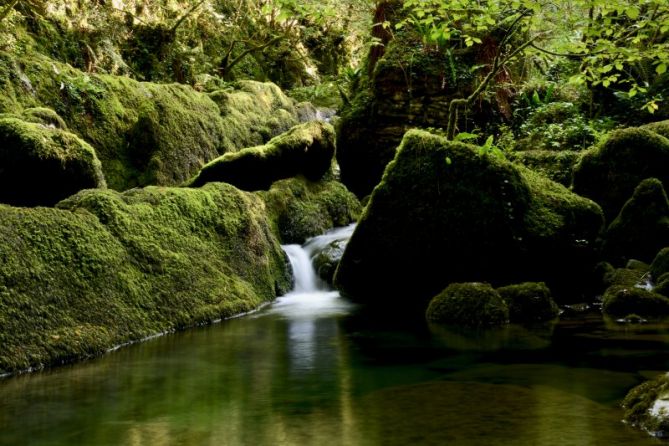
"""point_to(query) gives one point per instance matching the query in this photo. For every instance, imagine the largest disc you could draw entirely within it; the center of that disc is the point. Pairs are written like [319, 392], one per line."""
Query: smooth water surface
[314, 369]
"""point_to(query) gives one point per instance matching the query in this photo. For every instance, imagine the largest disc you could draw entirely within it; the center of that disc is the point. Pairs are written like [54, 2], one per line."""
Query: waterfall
[311, 297]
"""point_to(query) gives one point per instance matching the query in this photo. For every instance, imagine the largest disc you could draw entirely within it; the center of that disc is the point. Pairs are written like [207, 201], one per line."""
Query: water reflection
[311, 372]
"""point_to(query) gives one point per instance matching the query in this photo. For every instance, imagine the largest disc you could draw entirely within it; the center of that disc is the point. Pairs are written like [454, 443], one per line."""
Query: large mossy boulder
[145, 133]
[306, 150]
[468, 304]
[105, 268]
[41, 165]
[529, 302]
[446, 213]
[609, 173]
[659, 127]
[642, 227]
[647, 406]
[299, 209]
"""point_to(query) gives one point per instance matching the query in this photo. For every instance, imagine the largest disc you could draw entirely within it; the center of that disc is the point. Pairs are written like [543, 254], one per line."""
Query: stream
[312, 368]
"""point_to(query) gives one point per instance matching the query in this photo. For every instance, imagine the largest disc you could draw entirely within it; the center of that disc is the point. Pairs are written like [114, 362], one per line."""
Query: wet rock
[621, 301]
[647, 406]
[326, 261]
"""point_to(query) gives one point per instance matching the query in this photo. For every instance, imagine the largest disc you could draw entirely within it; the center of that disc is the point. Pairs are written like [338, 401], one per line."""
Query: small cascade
[311, 298]
[305, 278]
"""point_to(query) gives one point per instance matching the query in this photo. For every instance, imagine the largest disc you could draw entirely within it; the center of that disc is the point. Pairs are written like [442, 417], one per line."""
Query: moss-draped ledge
[105, 268]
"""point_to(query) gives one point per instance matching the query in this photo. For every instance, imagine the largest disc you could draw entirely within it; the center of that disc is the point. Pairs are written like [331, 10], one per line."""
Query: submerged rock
[306, 149]
[445, 213]
[608, 174]
[41, 165]
[468, 304]
[647, 406]
[642, 227]
[529, 302]
[106, 268]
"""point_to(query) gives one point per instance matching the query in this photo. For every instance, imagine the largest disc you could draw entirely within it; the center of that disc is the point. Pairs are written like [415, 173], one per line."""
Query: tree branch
[185, 16]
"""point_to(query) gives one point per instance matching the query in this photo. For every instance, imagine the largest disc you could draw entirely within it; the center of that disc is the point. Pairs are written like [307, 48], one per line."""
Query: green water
[320, 372]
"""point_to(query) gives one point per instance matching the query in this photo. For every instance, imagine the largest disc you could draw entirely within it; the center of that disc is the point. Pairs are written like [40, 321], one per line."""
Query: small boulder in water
[468, 304]
[620, 301]
[529, 302]
[326, 261]
[647, 406]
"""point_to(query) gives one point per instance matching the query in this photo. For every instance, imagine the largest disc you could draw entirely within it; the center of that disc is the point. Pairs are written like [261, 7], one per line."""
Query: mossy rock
[105, 268]
[642, 227]
[41, 165]
[647, 407]
[300, 209]
[660, 264]
[306, 150]
[621, 301]
[468, 304]
[609, 173]
[660, 127]
[325, 262]
[45, 116]
[529, 302]
[556, 165]
[471, 218]
[146, 133]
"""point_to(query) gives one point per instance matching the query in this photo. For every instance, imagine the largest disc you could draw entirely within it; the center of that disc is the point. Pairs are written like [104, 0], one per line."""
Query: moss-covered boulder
[662, 285]
[41, 165]
[529, 302]
[45, 116]
[468, 304]
[105, 268]
[660, 264]
[146, 133]
[299, 208]
[556, 165]
[621, 301]
[445, 213]
[306, 150]
[609, 173]
[647, 406]
[642, 227]
[660, 127]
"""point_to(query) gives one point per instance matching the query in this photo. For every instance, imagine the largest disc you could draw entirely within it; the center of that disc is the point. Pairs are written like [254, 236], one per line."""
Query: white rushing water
[311, 297]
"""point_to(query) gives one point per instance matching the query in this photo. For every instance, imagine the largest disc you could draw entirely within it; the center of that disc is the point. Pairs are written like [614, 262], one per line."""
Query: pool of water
[314, 369]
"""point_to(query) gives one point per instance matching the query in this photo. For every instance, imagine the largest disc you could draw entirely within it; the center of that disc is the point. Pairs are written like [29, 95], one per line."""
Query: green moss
[609, 173]
[299, 208]
[660, 264]
[660, 127]
[620, 301]
[529, 302]
[556, 165]
[42, 165]
[468, 304]
[478, 218]
[642, 227]
[556, 126]
[306, 149]
[45, 116]
[107, 268]
[642, 406]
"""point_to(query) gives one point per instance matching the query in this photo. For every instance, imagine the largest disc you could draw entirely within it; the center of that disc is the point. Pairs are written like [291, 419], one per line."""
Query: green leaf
[661, 68]
[448, 161]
